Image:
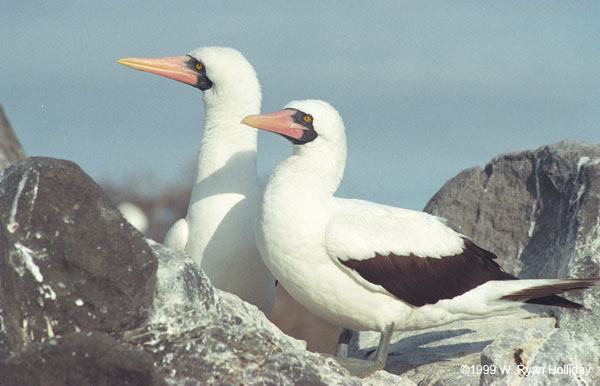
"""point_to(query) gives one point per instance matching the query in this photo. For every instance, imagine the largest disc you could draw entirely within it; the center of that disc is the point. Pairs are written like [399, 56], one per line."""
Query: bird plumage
[366, 266]
[218, 228]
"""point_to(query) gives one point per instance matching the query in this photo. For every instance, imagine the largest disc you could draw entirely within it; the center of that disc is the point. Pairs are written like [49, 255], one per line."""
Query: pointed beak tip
[248, 120]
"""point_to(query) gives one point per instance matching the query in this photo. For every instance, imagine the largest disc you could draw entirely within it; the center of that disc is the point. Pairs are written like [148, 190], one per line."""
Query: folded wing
[413, 255]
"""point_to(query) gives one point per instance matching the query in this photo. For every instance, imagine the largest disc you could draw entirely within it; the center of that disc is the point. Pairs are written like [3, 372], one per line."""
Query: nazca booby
[217, 230]
[366, 266]
[135, 215]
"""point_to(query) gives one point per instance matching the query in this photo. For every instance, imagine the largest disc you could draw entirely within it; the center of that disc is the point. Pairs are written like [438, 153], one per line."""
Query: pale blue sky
[426, 89]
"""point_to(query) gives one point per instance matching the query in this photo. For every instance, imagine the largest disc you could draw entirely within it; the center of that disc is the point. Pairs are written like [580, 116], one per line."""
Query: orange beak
[174, 67]
[280, 122]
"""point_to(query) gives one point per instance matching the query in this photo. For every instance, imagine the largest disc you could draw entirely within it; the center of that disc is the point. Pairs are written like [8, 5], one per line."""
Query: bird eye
[307, 118]
[199, 66]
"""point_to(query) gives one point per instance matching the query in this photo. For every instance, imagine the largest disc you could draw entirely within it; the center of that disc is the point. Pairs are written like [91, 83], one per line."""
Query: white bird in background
[135, 215]
[366, 266]
[218, 228]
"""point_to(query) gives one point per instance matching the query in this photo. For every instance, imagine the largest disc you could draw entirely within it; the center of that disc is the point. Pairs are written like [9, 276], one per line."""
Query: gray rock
[539, 355]
[68, 260]
[434, 356]
[11, 150]
[5, 349]
[84, 358]
[539, 212]
[200, 335]
[380, 378]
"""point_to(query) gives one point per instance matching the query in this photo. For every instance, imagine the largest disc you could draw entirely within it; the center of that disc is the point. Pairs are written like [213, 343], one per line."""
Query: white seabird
[135, 215]
[218, 228]
[366, 266]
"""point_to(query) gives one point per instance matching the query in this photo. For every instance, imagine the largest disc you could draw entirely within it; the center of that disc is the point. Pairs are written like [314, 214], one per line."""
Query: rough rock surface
[10, 147]
[80, 358]
[83, 296]
[200, 335]
[435, 355]
[69, 261]
[538, 355]
[539, 211]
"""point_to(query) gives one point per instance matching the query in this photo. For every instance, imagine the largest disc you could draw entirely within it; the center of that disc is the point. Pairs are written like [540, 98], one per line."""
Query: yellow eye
[307, 118]
[199, 66]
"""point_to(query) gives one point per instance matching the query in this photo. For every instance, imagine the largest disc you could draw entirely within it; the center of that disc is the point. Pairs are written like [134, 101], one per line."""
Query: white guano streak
[27, 255]
[537, 198]
[12, 224]
[580, 165]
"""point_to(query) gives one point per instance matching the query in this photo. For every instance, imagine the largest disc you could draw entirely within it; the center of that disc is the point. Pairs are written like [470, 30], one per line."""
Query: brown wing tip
[546, 294]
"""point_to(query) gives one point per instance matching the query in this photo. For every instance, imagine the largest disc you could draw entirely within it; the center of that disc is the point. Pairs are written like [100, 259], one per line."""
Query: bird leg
[343, 342]
[384, 345]
[362, 368]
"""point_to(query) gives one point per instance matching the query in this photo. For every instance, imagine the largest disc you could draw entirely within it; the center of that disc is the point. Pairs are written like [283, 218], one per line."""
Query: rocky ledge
[86, 299]
[539, 211]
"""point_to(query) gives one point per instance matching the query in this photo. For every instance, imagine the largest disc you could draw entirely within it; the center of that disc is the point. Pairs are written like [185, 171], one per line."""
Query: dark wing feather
[426, 280]
[545, 294]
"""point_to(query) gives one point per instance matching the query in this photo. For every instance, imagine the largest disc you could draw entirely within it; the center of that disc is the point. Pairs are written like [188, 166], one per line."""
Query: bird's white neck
[309, 174]
[297, 200]
[227, 146]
